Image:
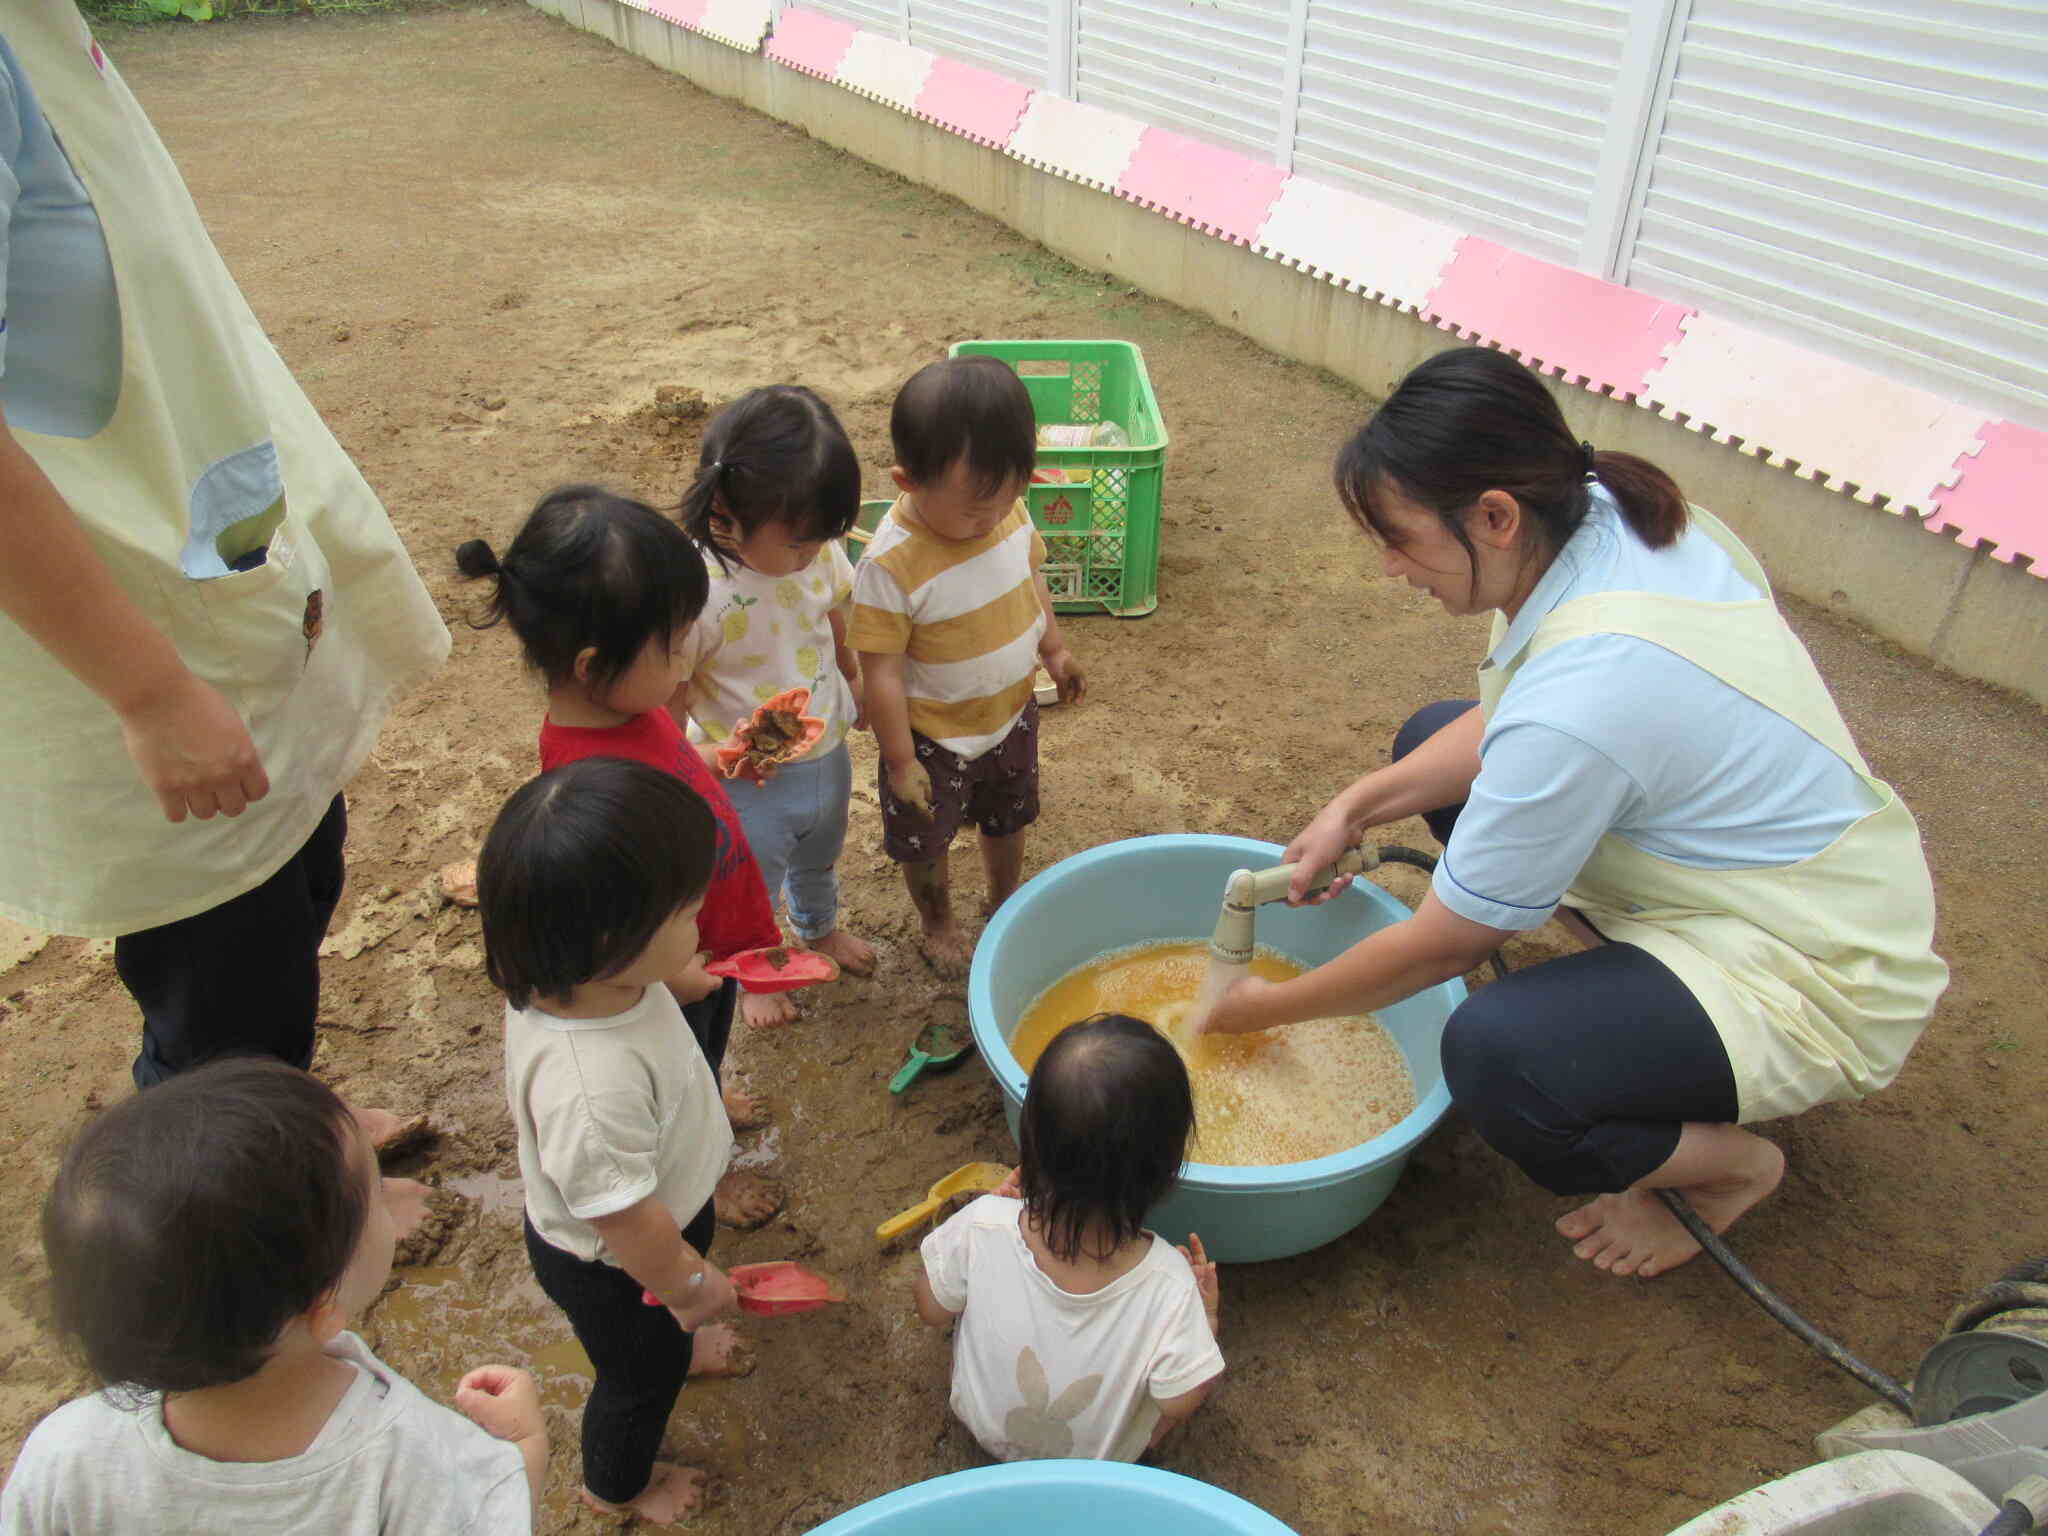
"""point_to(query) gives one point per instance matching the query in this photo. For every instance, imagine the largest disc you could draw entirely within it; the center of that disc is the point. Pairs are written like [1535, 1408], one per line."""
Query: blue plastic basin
[1073, 1498]
[1154, 889]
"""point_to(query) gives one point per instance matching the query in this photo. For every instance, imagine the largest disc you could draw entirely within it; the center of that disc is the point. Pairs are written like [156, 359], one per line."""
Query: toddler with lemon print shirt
[777, 487]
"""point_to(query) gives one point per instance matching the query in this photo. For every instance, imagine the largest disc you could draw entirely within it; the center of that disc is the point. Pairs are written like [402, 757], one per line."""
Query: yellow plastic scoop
[974, 1176]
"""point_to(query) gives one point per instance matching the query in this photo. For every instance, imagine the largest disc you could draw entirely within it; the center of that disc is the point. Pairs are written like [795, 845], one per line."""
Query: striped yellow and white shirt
[965, 617]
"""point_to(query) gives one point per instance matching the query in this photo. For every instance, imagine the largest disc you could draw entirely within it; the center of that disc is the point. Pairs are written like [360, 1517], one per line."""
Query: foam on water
[1276, 1096]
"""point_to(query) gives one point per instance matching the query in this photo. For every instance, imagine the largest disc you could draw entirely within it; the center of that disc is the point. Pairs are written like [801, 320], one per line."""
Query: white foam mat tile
[739, 24]
[885, 70]
[1083, 144]
[1878, 439]
[1387, 254]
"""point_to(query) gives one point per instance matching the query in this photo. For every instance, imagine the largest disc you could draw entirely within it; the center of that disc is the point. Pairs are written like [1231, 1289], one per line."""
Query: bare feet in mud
[1634, 1232]
[948, 950]
[671, 1493]
[768, 1010]
[853, 954]
[394, 1135]
[747, 1111]
[718, 1352]
[745, 1200]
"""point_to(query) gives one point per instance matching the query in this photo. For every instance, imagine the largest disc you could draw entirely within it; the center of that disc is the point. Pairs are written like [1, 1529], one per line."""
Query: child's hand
[705, 1301]
[406, 1200]
[860, 700]
[1061, 667]
[912, 785]
[1205, 1277]
[1012, 1187]
[695, 984]
[502, 1400]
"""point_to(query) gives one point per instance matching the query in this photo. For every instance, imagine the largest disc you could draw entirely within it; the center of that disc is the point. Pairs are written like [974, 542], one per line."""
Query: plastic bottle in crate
[1084, 434]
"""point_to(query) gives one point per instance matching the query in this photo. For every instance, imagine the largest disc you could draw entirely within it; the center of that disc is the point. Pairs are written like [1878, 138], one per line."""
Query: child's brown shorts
[998, 792]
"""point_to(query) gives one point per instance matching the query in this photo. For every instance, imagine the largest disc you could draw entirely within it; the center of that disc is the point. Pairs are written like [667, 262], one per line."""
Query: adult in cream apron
[229, 516]
[1717, 991]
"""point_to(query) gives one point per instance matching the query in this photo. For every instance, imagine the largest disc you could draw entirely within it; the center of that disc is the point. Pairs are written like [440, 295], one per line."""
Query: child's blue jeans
[796, 825]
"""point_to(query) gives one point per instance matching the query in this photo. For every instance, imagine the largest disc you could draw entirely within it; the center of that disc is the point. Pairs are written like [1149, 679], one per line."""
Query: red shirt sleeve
[737, 911]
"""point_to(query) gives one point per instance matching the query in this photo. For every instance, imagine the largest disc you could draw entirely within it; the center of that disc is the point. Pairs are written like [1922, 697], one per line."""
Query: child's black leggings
[639, 1353]
[1582, 1070]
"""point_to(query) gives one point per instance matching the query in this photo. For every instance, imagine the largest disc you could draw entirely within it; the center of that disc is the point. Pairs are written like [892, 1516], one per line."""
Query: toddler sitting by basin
[1081, 1333]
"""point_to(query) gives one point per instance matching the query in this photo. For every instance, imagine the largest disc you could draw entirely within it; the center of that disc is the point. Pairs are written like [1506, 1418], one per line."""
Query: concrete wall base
[1958, 606]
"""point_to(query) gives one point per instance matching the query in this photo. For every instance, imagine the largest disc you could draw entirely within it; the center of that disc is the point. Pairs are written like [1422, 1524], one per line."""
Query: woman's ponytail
[1650, 499]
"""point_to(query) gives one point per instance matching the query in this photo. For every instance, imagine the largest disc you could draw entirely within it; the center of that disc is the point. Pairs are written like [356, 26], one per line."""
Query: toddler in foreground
[951, 619]
[1080, 1332]
[209, 1241]
[590, 885]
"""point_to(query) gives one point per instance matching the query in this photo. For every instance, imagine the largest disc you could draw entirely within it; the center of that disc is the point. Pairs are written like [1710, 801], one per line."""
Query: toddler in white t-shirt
[209, 1241]
[1081, 1333]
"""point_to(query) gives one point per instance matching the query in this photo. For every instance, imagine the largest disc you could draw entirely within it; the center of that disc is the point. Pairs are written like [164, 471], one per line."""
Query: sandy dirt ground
[483, 240]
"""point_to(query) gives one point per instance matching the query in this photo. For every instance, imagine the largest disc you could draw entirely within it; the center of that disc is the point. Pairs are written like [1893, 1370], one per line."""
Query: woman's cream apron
[309, 646]
[1819, 975]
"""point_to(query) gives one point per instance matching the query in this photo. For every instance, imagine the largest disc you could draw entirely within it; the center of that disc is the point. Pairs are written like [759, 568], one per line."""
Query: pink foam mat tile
[1877, 439]
[975, 103]
[1219, 191]
[885, 70]
[1999, 498]
[810, 41]
[1581, 328]
[1084, 144]
[1387, 254]
[683, 13]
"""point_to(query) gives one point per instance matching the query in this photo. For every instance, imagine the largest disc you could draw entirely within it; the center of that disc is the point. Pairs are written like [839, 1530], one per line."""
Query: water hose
[1774, 1304]
[2022, 1509]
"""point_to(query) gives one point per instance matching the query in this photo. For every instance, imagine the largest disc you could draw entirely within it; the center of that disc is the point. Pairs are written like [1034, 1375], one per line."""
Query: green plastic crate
[1101, 534]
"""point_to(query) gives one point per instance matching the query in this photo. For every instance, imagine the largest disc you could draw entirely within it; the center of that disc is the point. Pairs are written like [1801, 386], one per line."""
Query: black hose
[1426, 862]
[2013, 1519]
[1774, 1304]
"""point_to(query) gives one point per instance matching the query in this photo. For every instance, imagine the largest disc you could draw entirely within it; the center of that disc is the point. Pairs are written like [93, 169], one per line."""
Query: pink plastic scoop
[778, 969]
[778, 1288]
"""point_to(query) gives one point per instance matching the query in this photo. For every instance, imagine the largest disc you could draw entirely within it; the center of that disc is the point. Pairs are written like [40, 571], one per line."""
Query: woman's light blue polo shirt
[1610, 733]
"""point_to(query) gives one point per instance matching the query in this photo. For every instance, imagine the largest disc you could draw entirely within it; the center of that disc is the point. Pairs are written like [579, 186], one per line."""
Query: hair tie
[1586, 448]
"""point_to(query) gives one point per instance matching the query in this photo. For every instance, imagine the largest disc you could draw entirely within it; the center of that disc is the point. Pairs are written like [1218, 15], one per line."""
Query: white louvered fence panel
[1489, 116]
[1211, 69]
[1871, 178]
[1011, 37]
[883, 16]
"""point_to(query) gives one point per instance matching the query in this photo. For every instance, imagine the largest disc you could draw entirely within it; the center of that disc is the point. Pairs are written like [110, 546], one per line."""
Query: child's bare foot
[1634, 1232]
[747, 1111]
[719, 1351]
[671, 1493]
[768, 1010]
[947, 950]
[853, 953]
[406, 1200]
[745, 1200]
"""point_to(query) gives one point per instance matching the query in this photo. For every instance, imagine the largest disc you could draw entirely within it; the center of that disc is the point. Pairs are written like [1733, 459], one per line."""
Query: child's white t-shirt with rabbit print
[763, 635]
[1043, 1372]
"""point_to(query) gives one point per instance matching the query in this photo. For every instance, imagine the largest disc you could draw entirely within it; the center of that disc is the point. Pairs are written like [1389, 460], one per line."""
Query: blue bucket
[1155, 889]
[1074, 1498]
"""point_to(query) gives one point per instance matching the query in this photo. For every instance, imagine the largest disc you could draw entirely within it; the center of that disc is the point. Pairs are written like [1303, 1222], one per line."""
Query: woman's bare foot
[1634, 1232]
[719, 1351]
[747, 1111]
[671, 1493]
[768, 1010]
[745, 1200]
[853, 953]
[948, 951]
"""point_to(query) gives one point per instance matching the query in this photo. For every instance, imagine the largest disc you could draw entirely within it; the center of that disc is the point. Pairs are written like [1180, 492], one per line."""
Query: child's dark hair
[775, 455]
[1107, 1119]
[1472, 420]
[582, 867]
[189, 1224]
[590, 569]
[972, 407]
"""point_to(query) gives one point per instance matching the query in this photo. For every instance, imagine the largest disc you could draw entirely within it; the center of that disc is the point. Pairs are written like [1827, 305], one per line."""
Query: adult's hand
[1315, 849]
[193, 750]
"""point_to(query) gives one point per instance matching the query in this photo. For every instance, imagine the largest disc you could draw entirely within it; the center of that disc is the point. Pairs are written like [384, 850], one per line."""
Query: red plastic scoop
[778, 969]
[778, 1288]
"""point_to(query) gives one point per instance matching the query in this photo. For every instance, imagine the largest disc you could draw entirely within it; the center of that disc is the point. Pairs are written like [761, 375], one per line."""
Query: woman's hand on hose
[1317, 847]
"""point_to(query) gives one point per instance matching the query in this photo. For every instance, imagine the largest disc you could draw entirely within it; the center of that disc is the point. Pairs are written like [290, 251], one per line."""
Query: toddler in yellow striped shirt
[951, 618]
